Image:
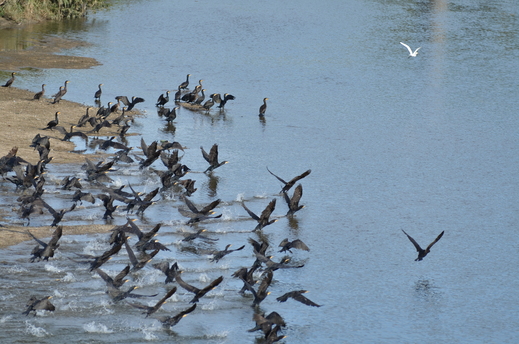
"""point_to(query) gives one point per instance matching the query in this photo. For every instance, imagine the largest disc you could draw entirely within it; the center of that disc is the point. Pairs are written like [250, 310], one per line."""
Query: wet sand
[23, 118]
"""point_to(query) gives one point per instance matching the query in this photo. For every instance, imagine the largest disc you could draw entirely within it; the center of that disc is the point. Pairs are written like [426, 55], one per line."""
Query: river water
[424, 144]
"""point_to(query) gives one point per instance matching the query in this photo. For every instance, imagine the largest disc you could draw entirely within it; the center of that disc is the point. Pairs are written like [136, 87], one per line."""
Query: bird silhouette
[421, 252]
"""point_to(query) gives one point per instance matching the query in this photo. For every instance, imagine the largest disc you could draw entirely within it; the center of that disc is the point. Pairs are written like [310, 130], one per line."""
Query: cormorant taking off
[263, 107]
[172, 321]
[263, 220]
[293, 203]
[421, 252]
[292, 182]
[212, 158]
[198, 292]
[10, 81]
[298, 296]
[35, 304]
[148, 310]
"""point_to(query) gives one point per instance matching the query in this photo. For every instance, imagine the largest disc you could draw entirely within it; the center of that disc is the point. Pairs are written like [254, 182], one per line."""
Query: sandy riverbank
[23, 118]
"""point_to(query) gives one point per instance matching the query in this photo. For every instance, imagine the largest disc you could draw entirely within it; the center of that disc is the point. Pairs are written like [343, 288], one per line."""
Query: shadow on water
[426, 291]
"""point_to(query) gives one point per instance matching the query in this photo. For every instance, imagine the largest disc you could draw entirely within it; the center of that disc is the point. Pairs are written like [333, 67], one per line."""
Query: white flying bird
[411, 53]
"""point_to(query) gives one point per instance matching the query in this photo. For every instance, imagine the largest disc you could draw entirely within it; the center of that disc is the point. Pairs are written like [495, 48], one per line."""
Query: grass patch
[38, 10]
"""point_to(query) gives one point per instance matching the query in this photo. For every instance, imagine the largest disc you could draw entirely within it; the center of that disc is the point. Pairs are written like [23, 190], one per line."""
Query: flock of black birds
[30, 180]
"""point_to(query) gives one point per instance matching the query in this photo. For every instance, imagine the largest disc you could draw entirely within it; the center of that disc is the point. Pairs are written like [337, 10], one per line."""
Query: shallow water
[423, 144]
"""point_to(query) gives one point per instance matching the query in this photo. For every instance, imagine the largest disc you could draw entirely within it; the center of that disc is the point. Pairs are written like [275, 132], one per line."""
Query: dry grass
[37, 10]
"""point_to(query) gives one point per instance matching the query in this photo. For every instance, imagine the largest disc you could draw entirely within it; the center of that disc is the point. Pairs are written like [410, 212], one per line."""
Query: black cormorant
[35, 304]
[287, 245]
[263, 107]
[421, 252]
[298, 296]
[292, 181]
[262, 220]
[212, 158]
[163, 99]
[185, 84]
[97, 95]
[198, 292]
[172, 321]
[40, 94]
[293, 203]
[10, 81]
[46, 250]
[148, 310]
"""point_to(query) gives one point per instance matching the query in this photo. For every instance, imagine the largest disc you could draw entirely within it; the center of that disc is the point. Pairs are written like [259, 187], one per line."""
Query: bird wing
[298, 193]
[418, 248]
[122, 274]
[416, 50]
[205, 155]
[408, 47]
[281, 180]
[239, 248]
[303, 299]
[131, 254]
[213, 154]
[138, 305]
[105, 277]
[211, 286]
[187, 311]
[435, 241]
[163, 300]
[206, 210]
[190, 205]
[155, 245]
[300, 245]
[265, 214]
[275, 318]
[144, 147]
[183, 284]
[124, 100]
[295, 179]
[136, 100]
[133, 228]
[162, 266]
[254, 216]
[265, 283]
[49, 208]
[56, 236]
[37, 240]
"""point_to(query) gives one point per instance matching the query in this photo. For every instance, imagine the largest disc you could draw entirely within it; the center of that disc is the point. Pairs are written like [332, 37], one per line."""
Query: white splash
[51, 268]
[5, 318]
[35, 331]
[94, 327]
[69, 277]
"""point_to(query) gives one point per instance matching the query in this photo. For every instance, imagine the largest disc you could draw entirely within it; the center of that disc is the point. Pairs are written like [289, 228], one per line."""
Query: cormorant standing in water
[97, 95]
[163, 99]
[263, 107]
[185, 84]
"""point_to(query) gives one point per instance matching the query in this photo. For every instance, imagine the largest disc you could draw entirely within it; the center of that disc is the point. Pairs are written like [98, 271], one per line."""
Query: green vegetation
[38, 10]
